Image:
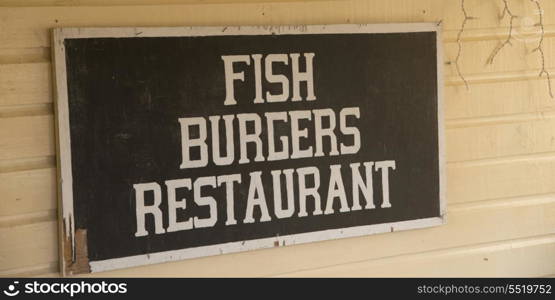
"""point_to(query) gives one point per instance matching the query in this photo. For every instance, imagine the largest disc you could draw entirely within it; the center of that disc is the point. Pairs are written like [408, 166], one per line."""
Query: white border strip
[64, 147]
[233, 247]
[122, 32]
[65, 174]
[441, 124]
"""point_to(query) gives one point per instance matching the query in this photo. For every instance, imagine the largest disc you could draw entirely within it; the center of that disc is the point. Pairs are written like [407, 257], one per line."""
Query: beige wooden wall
[500, 140]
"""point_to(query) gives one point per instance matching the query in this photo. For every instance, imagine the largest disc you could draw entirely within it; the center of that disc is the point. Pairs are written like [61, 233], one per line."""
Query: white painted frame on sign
[65, 185]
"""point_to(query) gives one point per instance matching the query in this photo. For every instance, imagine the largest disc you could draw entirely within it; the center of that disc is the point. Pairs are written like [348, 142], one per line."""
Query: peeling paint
[76, 258]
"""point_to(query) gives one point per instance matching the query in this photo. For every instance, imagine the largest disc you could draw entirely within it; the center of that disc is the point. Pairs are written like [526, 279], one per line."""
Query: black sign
[186, 142]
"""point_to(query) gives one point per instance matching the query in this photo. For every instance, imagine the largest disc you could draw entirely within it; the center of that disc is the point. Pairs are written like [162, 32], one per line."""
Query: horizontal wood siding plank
[500, 140]
[28, 245]
[532, 257]
[30, 3]
[27, 191]
[28, 83]
[23, 137]
[497, 99]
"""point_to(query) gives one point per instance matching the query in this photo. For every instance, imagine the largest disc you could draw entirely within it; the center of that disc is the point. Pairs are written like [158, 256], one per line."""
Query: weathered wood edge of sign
[73, 243]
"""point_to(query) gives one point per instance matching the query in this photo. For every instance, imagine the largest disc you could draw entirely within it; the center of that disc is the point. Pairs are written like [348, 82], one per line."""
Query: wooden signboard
[177, 143]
